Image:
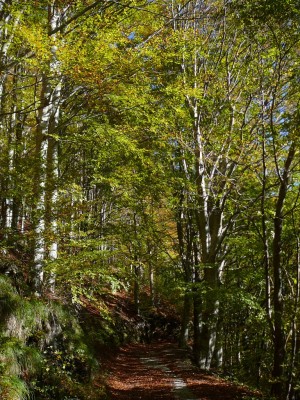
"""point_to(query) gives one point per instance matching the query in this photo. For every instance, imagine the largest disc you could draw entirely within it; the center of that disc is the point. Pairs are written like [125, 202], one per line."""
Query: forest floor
[162, 371]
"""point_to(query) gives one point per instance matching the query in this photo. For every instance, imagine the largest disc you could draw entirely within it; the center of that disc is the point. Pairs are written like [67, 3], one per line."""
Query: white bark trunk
[49, 119]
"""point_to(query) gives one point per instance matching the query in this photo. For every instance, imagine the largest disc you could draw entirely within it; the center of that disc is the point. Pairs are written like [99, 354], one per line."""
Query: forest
[149, 157]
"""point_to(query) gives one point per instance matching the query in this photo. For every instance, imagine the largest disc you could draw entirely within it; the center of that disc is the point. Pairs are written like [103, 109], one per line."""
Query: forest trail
[163, 371]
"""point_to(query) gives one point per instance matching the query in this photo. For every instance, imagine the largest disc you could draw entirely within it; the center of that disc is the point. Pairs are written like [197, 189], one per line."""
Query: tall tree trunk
[278, 386]
[209, 221]
[46, 163]
[264, 234]
[9, 116]
[186, 238]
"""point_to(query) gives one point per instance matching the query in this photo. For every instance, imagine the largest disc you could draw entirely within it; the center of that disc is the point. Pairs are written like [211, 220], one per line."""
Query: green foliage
[281, 11]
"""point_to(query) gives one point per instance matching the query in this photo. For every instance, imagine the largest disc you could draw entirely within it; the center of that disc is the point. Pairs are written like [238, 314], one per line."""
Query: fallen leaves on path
[162, 371]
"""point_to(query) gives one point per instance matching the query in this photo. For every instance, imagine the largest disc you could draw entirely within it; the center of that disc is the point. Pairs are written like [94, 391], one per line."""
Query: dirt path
[161, 371]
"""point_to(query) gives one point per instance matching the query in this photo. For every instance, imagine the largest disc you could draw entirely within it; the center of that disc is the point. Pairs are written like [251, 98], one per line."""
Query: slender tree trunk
[8, 123]
[278, 387]
[265, 235]
[46, 164]
[136, 288]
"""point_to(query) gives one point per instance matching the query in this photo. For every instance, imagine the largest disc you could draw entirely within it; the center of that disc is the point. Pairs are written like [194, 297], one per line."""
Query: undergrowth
[43, 350]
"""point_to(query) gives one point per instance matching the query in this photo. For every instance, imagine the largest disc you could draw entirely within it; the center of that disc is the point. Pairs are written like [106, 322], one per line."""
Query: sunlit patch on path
[179, 386]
